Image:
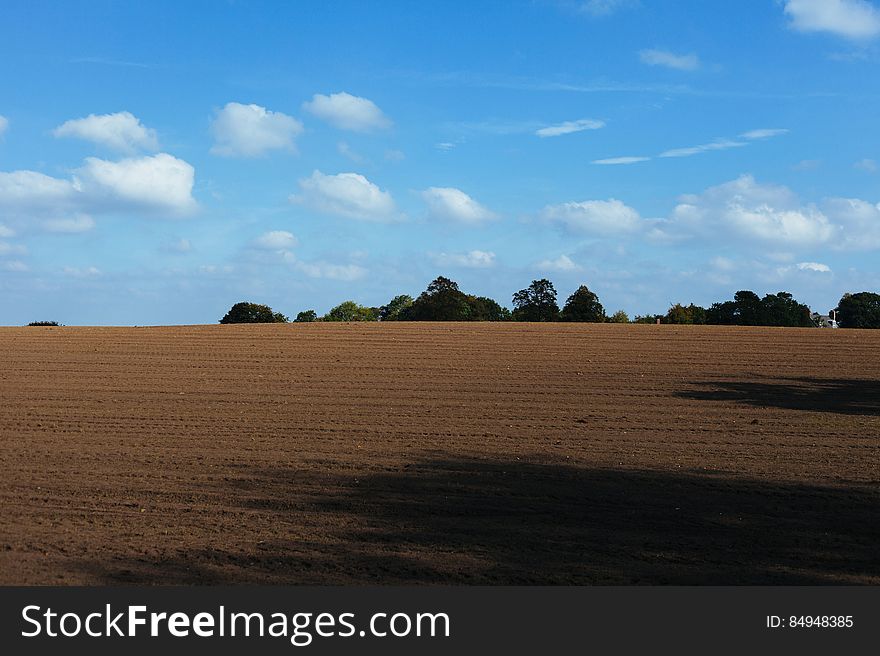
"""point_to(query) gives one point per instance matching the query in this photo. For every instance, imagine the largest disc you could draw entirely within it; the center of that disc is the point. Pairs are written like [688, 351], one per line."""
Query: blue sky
[160, 161]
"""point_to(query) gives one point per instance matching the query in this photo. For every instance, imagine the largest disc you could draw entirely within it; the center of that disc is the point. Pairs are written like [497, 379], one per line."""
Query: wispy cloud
[108, 62]
[763, 133]
[866, 164]
[568, 127]
[721, 144]
[598, 8]
[689, 62]
[620, 160]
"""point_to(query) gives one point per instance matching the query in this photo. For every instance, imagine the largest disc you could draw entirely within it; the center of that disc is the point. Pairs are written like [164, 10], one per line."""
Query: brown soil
[439, 453]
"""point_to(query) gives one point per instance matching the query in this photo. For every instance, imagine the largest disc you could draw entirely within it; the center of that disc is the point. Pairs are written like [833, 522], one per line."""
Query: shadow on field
[481, 522]
[846, 396]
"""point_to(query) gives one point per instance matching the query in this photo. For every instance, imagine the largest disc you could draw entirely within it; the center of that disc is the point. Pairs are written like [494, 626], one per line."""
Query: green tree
[397, 305]
[583, 305]
[782, 310]
[749, 310]
[306, 316]
[483, 308]
[619, 317]
[648, 318]
[537, 302]
[245, 312]
[861, 310]
[690, 314]
[350, 311]
[441, 301]
[722, 314]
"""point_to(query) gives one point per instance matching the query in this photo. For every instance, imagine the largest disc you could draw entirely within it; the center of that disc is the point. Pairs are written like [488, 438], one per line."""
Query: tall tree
[537, 302]
[583, 305]
[861, 310]
[441, 301]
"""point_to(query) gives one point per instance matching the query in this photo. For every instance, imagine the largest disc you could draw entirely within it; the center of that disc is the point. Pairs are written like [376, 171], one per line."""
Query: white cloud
[85, 272]
[347, 112]
[6, 231]
[69, 225]
[620, 160]
[807, 165]
[756, 212]
[866, 164]
[16, 266]
[852, 19]
[562, 264]
[763, 133]
[603, 217]
[814, 266]
[859, 221]
[250, 131]
[451, 204]
[156, 184]
[721, 144]
[471, 260]
[444, 145]
[395, 155]
[121, 131]
[569, 127]
[275, 240]
[11, 249]
[689, 62]
[346, 194]
[4, 124]
[344, 272]
[346, 151]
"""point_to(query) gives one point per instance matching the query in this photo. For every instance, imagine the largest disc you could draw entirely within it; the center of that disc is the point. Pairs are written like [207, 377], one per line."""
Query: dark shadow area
[486, 522]
[846, 396]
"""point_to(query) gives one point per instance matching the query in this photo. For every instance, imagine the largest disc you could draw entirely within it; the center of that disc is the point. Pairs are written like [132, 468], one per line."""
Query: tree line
[444, 301]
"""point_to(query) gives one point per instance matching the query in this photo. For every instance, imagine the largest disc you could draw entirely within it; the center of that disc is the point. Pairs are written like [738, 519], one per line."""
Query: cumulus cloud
[451, 204]
[813, 266]
[346, 194]
[346, 151]
[471, 260]
[689, 62]
[851, 19]
[121, 131]
[275, 240]
[250, 131]
[347, 112]
[746, 209]
[158, 184]
[568, 127]
[602, 217]
[620, 160]
[561, 264]
[859, 222]
[4, 124]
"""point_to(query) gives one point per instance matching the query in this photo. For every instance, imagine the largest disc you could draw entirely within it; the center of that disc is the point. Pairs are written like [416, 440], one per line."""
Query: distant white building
[825, 320]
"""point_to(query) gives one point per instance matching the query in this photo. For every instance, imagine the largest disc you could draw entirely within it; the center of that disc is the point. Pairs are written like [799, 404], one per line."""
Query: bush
[619, 317]
[690, 314]
[245, 312]
[306, 316]
[44, 323]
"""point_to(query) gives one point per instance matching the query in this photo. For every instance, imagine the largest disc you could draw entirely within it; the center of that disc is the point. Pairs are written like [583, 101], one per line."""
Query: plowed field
[439, 453]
